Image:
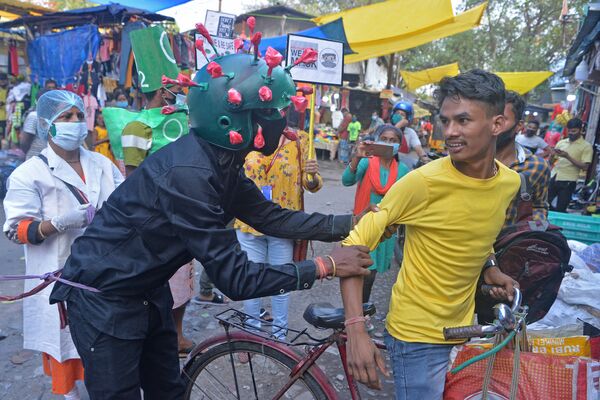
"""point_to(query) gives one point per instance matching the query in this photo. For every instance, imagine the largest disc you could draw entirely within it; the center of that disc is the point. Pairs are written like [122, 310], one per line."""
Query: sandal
[218, 300]
[265, 315]
[184, 352]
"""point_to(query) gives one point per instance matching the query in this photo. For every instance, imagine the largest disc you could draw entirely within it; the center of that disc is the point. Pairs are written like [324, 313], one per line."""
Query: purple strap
[48, 278]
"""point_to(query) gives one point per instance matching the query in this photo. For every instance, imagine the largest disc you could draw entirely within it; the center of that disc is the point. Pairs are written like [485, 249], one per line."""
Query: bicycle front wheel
[246, 370]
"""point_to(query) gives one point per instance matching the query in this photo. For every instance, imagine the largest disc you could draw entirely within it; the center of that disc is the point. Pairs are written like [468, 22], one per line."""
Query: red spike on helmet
[165, 80]
[204, 32]
[251, 21]
[185, 81]
[255, 40]
[200, 47]
[273, 59]
[214, 69]
[265, 93]
[238, 44]
[234, 97]
[309, 56]
[259, 139]
[290, 134]
[235, 138]
[300, 103]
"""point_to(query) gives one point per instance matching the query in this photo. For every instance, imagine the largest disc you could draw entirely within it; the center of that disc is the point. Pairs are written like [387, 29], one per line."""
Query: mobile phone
[380, 150]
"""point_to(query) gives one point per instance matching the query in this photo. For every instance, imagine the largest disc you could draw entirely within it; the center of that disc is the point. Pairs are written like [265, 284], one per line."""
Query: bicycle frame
[303, 364]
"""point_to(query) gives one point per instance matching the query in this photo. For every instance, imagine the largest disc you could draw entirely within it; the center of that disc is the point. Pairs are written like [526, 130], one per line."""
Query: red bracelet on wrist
[355, 320]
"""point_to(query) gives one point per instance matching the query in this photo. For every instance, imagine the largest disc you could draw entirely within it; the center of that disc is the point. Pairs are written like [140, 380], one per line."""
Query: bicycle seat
[324, 315]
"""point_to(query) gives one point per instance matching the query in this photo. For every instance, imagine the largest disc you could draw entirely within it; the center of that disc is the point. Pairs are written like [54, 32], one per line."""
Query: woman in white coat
[50, 200]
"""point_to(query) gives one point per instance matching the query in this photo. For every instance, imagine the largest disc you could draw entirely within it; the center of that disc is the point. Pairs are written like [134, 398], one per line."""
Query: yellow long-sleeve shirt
[451, 223]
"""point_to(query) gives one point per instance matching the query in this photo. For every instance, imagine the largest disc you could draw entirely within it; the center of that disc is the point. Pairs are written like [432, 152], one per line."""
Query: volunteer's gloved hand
[75, 219]
[11, 234]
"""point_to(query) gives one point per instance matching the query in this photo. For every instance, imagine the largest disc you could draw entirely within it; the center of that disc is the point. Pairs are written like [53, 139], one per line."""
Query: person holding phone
[376, 169]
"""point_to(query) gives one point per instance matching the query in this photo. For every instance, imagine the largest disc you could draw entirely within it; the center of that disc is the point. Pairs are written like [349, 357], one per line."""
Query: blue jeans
[419, 368]
[268, 249]
[344, 151]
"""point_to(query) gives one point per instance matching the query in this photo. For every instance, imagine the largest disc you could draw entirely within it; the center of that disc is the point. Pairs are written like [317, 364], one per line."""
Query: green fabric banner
[153, 57]
[165, 128]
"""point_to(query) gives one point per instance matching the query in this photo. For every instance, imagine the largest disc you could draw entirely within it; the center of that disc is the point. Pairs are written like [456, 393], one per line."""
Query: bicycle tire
[202, 361]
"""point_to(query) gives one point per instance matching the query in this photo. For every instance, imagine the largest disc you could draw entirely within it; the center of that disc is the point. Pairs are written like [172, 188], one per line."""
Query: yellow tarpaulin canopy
[523, 82]
[520, 82]
[420, 112]
[416, 79]
[392, 26]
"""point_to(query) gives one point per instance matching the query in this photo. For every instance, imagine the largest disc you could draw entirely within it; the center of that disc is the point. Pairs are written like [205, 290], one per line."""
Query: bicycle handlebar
[471, 331]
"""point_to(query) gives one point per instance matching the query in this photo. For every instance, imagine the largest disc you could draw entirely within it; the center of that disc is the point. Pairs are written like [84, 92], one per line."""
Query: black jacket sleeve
[195, 214]
[252, 208]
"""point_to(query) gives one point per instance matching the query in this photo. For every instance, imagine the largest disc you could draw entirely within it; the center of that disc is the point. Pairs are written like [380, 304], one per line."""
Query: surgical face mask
[374, 117]
[573, 136]
[122, 104]
[396, 118]
[68, 135]
[530, 132]
[396, 146]
[179, 99]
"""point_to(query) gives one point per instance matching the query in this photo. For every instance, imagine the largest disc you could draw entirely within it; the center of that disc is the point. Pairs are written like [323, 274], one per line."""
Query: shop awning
[100, 15]
[416, 79]
[520, 82]
[333, 30]
[388, 27]
[589, 31]
[524, 82]
[150, 5]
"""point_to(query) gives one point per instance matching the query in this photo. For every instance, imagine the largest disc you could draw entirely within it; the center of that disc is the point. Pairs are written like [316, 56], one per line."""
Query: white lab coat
[35, 191]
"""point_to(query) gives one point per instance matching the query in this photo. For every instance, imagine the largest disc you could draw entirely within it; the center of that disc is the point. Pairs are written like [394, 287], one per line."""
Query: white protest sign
[225, 46]
[219, 24]
[329, 67]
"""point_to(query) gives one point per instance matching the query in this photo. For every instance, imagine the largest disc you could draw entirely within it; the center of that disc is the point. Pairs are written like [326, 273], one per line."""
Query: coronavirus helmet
[239, 100]
[406, 107]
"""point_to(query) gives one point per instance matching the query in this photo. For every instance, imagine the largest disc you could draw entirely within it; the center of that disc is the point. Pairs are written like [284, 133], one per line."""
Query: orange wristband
[22, 230]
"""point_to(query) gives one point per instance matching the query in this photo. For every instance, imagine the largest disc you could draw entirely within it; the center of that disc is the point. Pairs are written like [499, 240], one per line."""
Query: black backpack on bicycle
[534, 254]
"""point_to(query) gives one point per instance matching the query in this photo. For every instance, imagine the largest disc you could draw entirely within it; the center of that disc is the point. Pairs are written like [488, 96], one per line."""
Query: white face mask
[68, 135]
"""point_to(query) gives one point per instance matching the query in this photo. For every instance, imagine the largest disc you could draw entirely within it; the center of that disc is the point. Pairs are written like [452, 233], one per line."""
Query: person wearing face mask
[534, 167]
[375, 176]
[573, 157]
[530, 139]
[376, 122]
[402, 116]
[175, 207]
[148, 134]
[43, 213]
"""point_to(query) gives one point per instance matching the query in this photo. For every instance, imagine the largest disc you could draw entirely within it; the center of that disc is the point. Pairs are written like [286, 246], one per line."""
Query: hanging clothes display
[13, 58]
[124, 68]
[75, 47]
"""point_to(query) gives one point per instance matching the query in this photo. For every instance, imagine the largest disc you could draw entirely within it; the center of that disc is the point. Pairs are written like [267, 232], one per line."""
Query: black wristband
[490, 263]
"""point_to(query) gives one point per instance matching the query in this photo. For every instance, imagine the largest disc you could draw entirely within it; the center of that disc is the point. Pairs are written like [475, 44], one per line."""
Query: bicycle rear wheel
[267, 370]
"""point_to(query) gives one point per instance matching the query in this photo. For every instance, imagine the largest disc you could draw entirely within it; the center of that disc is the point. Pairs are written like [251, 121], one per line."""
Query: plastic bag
[591, 256]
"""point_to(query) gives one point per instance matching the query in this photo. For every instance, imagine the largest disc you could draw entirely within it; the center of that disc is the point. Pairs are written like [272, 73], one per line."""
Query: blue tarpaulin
[150, 5]
[334, 30]
[59, 56]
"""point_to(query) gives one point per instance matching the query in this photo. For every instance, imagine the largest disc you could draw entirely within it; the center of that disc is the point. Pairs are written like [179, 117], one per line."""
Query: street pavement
[21, 373]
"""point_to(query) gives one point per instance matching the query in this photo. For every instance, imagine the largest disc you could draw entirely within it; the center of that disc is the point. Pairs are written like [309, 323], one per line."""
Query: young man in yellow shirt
[453, 209]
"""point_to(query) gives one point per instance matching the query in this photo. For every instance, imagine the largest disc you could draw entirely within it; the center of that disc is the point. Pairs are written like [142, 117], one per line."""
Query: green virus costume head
[239, 100]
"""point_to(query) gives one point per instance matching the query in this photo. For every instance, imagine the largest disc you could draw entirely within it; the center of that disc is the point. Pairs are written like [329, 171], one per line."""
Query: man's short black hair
[50, 81]
[575, 123]
[517, 103]
[535, 122]
[475, 84]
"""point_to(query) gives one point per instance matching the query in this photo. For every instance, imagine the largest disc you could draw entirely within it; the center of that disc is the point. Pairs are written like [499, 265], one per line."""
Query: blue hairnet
[53, 103]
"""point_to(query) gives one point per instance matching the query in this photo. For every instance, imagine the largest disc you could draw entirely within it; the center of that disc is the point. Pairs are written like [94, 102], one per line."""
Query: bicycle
[215, 370]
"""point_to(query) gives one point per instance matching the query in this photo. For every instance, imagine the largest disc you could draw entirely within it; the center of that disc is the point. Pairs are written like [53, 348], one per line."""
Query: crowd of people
[125, 231]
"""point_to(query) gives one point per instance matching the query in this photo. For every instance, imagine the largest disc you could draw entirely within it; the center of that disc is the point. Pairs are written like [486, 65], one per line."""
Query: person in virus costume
[176, 207]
